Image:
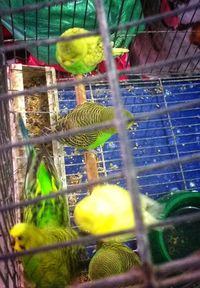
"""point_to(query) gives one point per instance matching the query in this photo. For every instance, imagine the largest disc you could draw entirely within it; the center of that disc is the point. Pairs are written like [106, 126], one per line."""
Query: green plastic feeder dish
[179, 240]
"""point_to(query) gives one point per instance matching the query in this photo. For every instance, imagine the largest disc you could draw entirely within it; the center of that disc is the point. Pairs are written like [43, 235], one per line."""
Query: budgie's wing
[81, 140]
[83, 115]
[30, 182]
[111, 259]
[104, 264]
[41, 179]
[49, 164]
[87, 113]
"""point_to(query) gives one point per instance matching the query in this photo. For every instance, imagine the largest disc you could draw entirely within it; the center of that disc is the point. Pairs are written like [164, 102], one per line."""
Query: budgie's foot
[133, 127]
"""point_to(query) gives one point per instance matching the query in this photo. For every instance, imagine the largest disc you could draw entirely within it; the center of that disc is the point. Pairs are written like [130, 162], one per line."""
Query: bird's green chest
[102, 137]
[79, 67]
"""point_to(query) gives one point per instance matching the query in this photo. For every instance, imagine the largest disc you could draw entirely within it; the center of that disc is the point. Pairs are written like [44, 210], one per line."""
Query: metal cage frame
[149, 275]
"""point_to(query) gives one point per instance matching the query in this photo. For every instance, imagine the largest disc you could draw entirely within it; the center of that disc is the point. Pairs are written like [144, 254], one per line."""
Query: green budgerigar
[87, 114]
[80, 56]
[45, 223]
[109, 209]
[112, 258]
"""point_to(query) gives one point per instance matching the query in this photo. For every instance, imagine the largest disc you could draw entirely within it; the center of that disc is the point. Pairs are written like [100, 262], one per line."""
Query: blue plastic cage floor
[162, 138]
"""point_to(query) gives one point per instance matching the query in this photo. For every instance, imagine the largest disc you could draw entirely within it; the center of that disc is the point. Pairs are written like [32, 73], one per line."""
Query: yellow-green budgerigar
[80, 56]
[112, 258]
[86, 114]
[45, 223]
[109, 209]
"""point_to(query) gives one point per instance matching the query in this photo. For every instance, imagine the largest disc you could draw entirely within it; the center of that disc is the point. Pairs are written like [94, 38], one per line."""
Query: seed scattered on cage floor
[72, 199]
[153, 91]
[74, 179]
[130, 88]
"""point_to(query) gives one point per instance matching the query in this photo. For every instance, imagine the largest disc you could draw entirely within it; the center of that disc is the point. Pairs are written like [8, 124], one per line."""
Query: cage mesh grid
[153, 140]
[170, 122]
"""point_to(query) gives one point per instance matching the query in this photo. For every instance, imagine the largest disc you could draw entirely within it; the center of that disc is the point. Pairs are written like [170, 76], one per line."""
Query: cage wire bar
[146, 20]
[7, 269]
[129, 173]
[10, 207]
[143, 244]
[157, 165]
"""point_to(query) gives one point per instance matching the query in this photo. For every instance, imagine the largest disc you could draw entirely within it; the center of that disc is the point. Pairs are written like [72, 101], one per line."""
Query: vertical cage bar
[61, 17]
[6, 183]
[150, 8]
[36, 29]
[126, 35]
[109, 10]
[74, 14]
[172, 44]
[85, 14]
[48, 33]
[118, 20]
[12, 24]
[183, 39]
[25, 36]
[130, 174]
[3, 83]
[174, 138]
[197, 63]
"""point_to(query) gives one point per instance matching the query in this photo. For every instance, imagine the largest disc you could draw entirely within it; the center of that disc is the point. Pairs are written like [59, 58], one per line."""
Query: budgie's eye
[20, 238]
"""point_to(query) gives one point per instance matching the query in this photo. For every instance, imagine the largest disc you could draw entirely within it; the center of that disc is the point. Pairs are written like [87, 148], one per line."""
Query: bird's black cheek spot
[22, 247]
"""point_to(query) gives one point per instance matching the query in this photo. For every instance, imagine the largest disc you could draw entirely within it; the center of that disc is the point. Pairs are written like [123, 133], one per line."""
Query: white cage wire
[158, 157]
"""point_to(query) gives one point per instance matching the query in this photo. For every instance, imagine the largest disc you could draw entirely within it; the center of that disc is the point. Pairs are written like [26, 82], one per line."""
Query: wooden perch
[90, 157]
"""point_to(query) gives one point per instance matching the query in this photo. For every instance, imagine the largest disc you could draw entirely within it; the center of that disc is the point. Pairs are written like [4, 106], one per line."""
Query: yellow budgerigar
[109, 209]
[80, 56]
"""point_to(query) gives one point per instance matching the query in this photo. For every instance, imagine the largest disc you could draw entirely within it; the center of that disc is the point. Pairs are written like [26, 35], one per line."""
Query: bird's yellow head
[20, 236]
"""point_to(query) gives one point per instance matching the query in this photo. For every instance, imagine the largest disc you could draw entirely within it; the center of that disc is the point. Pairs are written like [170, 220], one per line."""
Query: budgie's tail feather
[152, 207]
[50, 166]
[30, 184]
[24, 132]
[152, 211]
[119, 51]
[150, 219]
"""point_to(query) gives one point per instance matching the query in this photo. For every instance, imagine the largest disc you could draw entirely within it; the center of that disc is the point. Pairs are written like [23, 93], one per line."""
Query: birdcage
[157, 81]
